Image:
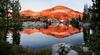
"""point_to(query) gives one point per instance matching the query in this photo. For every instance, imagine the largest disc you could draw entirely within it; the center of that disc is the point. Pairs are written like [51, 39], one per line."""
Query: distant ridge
[60, 12]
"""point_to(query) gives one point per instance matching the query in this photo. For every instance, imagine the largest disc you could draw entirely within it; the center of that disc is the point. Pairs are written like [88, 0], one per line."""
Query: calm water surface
[39, 40]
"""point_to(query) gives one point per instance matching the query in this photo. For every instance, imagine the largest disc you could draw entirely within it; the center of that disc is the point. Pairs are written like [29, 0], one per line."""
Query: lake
[40, 40]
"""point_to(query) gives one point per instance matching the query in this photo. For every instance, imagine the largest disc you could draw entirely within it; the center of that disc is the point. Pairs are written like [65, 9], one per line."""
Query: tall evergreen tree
[93, 17]
[9, 17]
[86, 19]
[15, 21]
[95, 25]
[4, 6]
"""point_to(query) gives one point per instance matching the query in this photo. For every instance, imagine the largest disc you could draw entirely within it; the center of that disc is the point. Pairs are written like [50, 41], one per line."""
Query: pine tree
[86, 19]
[9, 17]
[93, 17]
[95, 25]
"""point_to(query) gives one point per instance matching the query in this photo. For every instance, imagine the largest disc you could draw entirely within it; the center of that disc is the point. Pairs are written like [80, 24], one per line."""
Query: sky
[39, 5]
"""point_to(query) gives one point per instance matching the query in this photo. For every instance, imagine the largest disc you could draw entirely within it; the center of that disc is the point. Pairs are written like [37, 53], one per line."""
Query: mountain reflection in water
[39, 40]
[59, 31]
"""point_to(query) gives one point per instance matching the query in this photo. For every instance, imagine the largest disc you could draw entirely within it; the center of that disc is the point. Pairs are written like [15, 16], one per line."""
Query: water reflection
[39, 40]
[35, 35]
[58, 30]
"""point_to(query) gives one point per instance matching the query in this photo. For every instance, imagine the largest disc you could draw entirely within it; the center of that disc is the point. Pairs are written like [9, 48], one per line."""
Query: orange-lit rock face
[60, 12]
[58, 32]
[29, 13]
